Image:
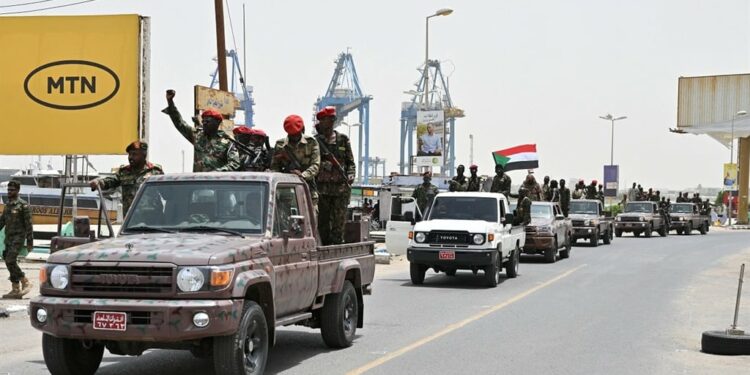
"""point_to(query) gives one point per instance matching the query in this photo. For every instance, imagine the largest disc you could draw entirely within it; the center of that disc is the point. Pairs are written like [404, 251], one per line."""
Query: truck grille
[122, 279]
[578, 223]
[456, 238]
[630, 218]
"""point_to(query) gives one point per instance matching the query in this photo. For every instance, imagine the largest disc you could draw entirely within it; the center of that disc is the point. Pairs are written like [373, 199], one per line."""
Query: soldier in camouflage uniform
[564, 198]
[16, 219]
[546, 194]
[212, 148]
[580, 190]
[534, 191]
[458, 183]
[590, 192]
[600, 193]
[475, 182]
[256, 155]
[130, 177]
[553, 192]
[299, 154]
[425, 193]
[501, 182]
[523, 207]
[337, 171]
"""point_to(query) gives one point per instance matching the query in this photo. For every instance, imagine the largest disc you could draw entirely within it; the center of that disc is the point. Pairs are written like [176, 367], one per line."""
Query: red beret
[593, 182]
[210, 112]
[326, 112]
[473, 166]
[242, 129]
[137, 145]
[293, 124]
[260, 132]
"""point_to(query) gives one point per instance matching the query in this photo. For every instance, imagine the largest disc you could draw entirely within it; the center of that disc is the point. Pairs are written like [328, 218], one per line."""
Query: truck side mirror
[409, 216]
[508, 219]
[297, 222]
[559, 217]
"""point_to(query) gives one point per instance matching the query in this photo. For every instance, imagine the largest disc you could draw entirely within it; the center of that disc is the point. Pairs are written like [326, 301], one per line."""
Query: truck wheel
[565, 253]
[550, 255]
[595, 238]
[637, 233]
[663, 230]
[450, 272]
[704, 228]
[679, 231]
[70, 357]
[492, 274]
[339, 317]
[417, 271]
[719, 342]
[608, 237]
[689, 229]
[649, 230]
[246, 351]
[618, 233]
[511, 266]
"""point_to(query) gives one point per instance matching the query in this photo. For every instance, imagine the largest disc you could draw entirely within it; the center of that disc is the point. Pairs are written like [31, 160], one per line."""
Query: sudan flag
[519, 157]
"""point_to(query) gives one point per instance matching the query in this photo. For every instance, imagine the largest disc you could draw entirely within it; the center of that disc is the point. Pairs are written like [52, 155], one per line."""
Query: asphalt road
[637, 306]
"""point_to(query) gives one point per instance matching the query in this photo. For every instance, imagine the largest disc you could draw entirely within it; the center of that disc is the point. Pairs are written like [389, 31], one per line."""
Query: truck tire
[417, 271]
[704, 228]
[70, 357]
[565, 253]
[338, 322]
[608, 237]
[719, 342]
[550, 255]
[511, 266]
[649, 230]
[637, 233]
[246, 351]
[689, 229]
[594, 239]
[663, 230]
[618, 233]
[451, 271]
[492, 274]
[679, 231]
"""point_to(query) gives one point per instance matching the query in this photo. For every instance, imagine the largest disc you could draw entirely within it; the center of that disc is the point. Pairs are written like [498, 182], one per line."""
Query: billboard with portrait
[430, 139]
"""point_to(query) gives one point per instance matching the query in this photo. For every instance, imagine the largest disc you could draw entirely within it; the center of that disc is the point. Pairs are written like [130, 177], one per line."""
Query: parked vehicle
[470, 231]
[206, 262]
[549, 232]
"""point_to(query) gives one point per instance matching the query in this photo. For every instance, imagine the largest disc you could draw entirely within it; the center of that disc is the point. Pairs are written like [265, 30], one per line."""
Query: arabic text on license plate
[109, 321]
[447, 255]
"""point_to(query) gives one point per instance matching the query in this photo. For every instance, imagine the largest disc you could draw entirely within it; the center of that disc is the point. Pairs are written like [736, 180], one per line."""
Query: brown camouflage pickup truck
[209, 262]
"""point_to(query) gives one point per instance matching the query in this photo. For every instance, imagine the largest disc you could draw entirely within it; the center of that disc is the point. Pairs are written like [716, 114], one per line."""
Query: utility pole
[220, 49]
[471, 149]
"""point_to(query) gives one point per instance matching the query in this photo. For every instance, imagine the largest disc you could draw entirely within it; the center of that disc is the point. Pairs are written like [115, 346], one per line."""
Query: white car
[472, 231]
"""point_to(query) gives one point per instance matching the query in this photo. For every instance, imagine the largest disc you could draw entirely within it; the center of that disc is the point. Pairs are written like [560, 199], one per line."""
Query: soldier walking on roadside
[425, 193]
[501, 182]
[16, 219]
[212, 151]
[564, 198]
[334, 180]
[475, 182]
[299, 154]
[130, 177]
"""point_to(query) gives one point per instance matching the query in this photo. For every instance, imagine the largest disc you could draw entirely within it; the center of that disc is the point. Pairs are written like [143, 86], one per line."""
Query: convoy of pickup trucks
[213, 263]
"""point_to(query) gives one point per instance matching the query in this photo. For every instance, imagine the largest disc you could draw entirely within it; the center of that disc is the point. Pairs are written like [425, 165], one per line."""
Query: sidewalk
[31, 269]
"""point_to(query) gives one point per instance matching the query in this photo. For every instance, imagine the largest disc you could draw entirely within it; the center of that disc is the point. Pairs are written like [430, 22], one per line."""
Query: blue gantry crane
[346, 95]
[242, 91]
[435, 97]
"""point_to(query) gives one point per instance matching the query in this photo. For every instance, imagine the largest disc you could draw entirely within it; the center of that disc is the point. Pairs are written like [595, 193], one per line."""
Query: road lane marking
[392, 355]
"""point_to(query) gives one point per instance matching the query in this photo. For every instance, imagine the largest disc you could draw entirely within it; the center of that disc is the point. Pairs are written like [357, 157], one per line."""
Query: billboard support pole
[743, 159]
[221, 52]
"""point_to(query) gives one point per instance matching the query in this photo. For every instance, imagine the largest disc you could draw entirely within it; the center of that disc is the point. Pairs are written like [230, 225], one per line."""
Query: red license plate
[110, 321]
[447, 255]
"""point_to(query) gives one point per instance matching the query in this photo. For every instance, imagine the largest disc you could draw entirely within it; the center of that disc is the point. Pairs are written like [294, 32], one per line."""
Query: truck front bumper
[147, 320]
[582, 232]
[678, 225]
[631, 226]
[463, 257]
[537, 242]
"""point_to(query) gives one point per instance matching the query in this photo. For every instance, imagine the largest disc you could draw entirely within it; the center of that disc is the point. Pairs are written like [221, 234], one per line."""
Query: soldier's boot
[26, 286]
[15, 293]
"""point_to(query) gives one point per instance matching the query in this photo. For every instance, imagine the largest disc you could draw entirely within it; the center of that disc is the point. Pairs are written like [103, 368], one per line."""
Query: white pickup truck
[471, 231]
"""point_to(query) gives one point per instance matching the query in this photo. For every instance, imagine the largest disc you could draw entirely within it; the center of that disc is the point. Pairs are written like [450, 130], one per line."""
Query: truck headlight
[478, 239]
[642, 218]
[420, 237]
[618, 219]
[190, 279]
[586, 223]
[59, 277]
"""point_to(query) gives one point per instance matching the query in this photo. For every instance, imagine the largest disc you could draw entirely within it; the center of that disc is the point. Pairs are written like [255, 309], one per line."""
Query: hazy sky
[524, 72]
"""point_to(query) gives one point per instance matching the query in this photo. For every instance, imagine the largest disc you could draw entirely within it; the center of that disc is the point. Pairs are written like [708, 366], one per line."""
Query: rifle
[242, 147]
[296, 165]
[333, 160]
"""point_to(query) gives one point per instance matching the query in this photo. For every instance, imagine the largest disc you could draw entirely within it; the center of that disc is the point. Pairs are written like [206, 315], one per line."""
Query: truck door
[295, 283]
[400, 224]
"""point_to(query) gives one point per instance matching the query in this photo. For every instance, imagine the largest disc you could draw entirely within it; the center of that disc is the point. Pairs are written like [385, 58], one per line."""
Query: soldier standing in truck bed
[475, 182]
[501, 182]
[425, 193]
[299, 154]
[16, 219]
[458, 182]
[564, 198]
[256, 155]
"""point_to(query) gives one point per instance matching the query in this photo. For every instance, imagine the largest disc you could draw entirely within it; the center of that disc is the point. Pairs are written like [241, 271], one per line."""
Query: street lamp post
[440, 12]
[731, 160]
[350, 127]
[612, 119]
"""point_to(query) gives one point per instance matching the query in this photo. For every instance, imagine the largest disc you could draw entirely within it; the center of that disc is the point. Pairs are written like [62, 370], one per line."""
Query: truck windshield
[235, 206]
[682, 208]
[586, 208]
[541, 211]
[639, 207]
[464, 208]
